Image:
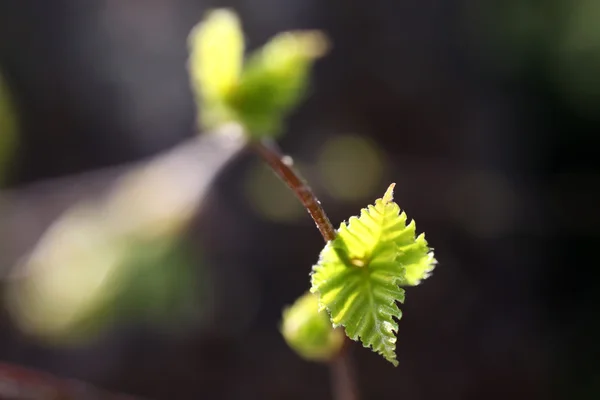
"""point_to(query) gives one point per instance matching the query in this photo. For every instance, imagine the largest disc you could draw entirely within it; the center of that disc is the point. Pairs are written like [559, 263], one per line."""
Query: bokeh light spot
[270, 197]
[351, 167]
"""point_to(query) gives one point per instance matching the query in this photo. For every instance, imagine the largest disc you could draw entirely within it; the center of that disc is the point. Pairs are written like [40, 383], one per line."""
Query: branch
[282, 165]
[341, 367]
[343, 375]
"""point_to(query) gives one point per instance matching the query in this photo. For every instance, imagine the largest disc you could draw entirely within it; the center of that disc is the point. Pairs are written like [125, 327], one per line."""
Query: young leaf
[257, 94]
[216, 60]
[275, 79]
[359, 273]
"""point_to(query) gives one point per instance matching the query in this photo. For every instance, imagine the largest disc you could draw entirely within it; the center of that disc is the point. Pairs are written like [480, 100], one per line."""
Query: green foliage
[359, 273]
[308, 330]
[275, 80]
[259, 94]
[86, 276]
[215, 64]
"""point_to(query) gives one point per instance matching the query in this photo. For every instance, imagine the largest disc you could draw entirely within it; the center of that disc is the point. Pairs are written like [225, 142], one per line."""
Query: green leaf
[417, 266]
[359, 273]
[275, 80]
[216, 59]
[258, 94]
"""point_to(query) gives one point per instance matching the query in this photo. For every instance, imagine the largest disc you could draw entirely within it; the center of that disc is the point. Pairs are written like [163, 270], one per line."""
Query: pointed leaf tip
[389, 194]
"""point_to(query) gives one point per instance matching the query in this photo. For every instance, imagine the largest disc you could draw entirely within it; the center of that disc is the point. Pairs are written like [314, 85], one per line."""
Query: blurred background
[142, 262]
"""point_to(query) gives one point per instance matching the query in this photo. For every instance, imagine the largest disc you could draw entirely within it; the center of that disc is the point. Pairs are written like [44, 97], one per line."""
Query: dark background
[487, 116]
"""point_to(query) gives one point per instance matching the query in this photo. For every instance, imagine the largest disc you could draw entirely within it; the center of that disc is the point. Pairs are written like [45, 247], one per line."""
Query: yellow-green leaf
[275, 80]
[359, 273]
[215, 64]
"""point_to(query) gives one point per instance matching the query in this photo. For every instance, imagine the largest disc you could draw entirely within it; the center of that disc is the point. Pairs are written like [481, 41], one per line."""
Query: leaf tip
[389, 194]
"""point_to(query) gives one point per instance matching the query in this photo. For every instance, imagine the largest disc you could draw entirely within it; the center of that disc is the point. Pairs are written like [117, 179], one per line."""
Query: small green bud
[309, 332]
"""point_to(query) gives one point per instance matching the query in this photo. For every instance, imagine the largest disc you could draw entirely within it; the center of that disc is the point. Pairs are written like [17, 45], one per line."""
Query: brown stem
[283, 167]
[343, 376]
[341, 367]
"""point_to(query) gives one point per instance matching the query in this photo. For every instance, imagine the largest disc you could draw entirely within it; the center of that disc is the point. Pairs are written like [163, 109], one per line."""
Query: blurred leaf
[163, 283]
[122, 255]
[275, 80]
[84, 277]
[257, 95]
[72, 272]
[216, 56]
[358, 274]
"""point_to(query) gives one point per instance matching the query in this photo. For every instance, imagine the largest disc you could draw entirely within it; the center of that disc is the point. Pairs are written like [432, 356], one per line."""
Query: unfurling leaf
[216, 59]
[359, 273]
[275, 80]
[258, 94]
